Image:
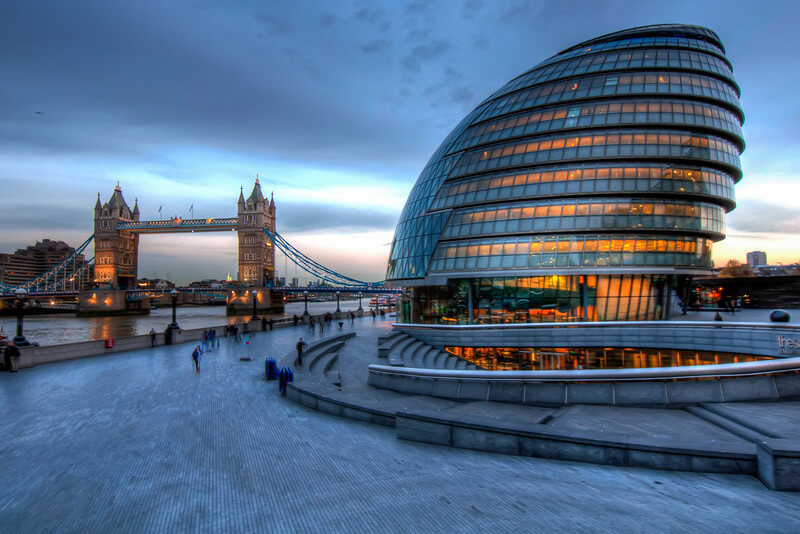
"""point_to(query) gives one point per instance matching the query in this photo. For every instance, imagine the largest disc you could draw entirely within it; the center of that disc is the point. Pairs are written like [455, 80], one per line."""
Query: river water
[66, 328]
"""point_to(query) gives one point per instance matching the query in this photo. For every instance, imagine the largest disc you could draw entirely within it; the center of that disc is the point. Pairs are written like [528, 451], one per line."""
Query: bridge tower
[116, 252]
[256, 251]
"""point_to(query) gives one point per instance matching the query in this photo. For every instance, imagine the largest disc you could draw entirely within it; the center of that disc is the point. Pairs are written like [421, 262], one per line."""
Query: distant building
[281, 280]
[208, 284]
[28, 263]
[155, 283]
[756, 258]
[295, 283]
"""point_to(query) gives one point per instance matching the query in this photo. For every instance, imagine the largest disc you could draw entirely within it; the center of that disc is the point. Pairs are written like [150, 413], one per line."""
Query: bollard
[270, 369]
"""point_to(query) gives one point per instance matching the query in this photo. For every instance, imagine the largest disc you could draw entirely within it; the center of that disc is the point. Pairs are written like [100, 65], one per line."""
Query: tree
[735, 269]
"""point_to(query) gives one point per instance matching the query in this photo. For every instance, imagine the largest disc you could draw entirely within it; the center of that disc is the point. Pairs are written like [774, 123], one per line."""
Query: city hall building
[589, 188]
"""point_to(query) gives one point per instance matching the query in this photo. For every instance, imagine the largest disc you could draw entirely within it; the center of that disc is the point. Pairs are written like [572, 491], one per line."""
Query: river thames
[57, 329]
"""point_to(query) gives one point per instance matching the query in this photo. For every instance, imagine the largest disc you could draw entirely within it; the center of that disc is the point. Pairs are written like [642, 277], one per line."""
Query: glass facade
[563, 359]
[589, 188]
[588, 179]
[585, 214]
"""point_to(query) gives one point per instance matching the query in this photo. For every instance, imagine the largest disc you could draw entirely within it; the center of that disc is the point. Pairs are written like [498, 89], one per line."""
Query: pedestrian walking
[321, 327]
[210, 339]
[271, 323]
[152, 337]
[196, 357]
[373, 314]
[294, 319]
[300, 346]
[263, 324]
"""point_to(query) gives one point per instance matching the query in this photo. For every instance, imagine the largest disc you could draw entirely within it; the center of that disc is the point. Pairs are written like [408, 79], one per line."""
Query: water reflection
[63, 328]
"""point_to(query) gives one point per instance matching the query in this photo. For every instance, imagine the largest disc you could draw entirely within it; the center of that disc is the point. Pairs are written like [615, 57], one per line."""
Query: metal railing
[779, 365]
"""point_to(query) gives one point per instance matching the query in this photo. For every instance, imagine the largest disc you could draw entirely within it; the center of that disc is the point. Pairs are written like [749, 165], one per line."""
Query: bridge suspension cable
[66, 274]
[312, 267]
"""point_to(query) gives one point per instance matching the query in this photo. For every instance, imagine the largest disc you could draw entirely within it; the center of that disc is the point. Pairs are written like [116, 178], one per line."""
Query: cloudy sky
[335, 105]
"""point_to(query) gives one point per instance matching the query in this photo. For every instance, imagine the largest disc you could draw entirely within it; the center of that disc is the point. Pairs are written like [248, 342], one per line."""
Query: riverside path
[138, 442]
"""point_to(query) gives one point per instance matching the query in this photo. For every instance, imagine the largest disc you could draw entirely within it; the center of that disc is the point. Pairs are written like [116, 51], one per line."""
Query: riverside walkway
[137, 442]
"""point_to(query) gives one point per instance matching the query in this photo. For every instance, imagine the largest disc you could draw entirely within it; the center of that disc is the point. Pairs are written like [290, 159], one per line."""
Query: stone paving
[139, 442]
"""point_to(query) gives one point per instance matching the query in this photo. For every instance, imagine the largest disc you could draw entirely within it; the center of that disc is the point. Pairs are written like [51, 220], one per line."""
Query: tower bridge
[117, 228]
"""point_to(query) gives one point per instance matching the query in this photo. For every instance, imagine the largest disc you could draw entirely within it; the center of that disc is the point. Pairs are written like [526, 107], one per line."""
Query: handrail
[581, 375]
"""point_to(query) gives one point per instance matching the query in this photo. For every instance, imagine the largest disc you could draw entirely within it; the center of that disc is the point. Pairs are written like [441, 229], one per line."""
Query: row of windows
[613, 84]
[543, 252]
[568, 215]
[641, 111]
[605, 138]
[623, 60]
[553, 243]
[638, 42]
[601, 145]
[589, 179]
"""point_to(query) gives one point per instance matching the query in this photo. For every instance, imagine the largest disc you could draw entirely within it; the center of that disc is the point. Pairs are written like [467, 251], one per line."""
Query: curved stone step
[429, 357]
[461, 364]
[386, 348]
[311, 357]
[450, 362]
[322, 362]
[413, 354]
[400, 348]
[388, 337]
[334, 377]
[439, 360]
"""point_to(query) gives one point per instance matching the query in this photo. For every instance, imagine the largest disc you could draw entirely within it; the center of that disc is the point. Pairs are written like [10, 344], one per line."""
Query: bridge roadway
[139, 442]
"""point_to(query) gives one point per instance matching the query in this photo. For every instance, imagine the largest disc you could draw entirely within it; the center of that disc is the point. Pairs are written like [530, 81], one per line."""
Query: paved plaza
[138, 442]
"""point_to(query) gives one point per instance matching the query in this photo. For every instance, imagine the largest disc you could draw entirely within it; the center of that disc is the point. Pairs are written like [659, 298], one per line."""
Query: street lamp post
[359, 302]
[305, 301]
[255, 301]
[21, 296]
[174, 324]
[337, 303]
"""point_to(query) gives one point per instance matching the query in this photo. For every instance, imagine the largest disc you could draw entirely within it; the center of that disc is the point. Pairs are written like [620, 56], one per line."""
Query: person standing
[264, 324]
[11, 357]
[196, 357]
[300, 346]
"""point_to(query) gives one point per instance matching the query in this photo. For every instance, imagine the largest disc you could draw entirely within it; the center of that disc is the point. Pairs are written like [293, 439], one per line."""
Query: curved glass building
[589, 188]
